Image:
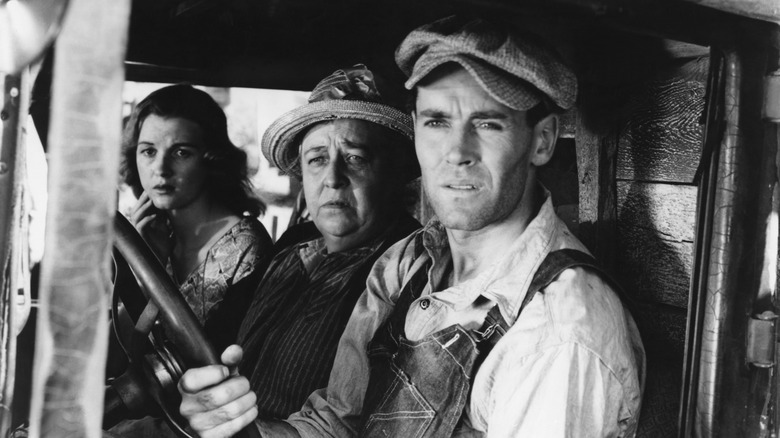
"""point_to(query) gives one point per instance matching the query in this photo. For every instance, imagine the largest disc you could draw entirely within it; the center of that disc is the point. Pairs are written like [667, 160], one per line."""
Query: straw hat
[515, 69]
[346, 94]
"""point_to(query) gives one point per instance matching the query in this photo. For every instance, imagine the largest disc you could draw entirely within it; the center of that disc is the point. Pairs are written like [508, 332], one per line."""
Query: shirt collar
[313, 252]
[506, 282]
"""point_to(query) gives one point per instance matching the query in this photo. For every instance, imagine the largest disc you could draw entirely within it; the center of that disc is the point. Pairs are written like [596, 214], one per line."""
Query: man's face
[473, 152]
[345, 179]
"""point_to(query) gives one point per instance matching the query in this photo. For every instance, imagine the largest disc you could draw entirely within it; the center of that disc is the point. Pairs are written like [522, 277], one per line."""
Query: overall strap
[410, 291]
[495, 327]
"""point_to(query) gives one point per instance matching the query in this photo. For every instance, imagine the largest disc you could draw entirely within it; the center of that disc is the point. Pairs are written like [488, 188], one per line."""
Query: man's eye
[489, 125]
[435, 123]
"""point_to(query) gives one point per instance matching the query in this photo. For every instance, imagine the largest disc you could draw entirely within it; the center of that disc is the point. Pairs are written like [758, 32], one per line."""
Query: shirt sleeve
[335, 411]
[566, 368]
[564, 391]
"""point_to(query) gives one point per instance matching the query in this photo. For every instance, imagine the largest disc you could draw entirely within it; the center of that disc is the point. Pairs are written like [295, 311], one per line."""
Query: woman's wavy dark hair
[228, 180]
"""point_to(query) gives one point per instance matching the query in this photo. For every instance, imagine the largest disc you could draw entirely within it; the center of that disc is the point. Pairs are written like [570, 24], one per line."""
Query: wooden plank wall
[638, 207]
[659, 147]
[658, 153]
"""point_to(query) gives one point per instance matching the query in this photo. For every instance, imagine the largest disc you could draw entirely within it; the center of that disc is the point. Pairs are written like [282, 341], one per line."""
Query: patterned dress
[231, 271]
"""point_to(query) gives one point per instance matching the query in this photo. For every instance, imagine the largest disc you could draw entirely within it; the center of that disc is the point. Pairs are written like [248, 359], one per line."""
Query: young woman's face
[170, 161]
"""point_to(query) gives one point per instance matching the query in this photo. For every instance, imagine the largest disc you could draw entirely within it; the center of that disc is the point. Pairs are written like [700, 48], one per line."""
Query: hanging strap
[495, 327]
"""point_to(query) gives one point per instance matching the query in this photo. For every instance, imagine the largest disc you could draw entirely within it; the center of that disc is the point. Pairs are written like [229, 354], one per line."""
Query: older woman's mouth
[337, 204]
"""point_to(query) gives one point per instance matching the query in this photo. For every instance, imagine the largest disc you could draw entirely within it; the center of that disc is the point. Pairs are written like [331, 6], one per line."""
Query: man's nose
[460, 148]
[335, 174]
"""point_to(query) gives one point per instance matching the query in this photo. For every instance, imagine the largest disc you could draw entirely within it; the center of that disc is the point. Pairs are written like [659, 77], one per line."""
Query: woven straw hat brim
[505, 88]
[278, 140]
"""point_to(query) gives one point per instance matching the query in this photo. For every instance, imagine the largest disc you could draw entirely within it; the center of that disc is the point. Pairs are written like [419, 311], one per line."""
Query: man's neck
[474, 251]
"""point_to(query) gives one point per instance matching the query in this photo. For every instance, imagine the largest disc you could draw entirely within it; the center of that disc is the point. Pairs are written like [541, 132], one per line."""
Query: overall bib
[420, 388]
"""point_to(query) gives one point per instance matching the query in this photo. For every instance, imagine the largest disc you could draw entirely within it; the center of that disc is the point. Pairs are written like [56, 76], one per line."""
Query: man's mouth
[461, 185]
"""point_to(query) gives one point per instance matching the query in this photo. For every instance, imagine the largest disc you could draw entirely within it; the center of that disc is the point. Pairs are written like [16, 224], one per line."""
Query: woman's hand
[153, 226]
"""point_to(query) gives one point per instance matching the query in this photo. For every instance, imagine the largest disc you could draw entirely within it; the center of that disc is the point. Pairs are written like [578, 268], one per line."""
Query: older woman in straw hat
[354, 155]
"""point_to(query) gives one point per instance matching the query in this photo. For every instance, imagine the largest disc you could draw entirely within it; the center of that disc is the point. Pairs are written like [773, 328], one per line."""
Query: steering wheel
[165, 340]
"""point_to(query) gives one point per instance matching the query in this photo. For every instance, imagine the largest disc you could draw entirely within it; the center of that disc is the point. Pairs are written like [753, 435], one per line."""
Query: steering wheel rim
[181, 345]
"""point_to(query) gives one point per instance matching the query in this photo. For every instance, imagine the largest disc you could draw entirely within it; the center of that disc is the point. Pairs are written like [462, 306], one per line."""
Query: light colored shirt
[572, 364]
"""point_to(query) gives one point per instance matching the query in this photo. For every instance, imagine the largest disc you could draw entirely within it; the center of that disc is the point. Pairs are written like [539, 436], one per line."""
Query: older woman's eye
[313, 161]
[356, 159]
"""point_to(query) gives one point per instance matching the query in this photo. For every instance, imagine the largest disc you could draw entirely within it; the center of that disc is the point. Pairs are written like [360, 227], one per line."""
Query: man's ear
[543, 142]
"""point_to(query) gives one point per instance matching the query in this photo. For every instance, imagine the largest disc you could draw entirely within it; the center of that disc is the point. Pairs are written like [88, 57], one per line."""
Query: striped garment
[292, 329]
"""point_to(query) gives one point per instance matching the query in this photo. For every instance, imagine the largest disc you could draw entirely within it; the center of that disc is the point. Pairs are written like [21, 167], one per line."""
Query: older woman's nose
[335, 175]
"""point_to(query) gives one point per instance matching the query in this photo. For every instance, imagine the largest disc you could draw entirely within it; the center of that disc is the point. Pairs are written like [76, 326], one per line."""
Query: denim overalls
[420, 388]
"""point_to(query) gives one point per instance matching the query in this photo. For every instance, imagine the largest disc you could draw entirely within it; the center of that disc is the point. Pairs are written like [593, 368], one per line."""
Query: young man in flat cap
[492, 319]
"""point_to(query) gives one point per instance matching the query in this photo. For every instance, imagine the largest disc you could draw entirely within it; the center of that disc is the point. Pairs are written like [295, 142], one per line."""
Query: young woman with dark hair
[196, 207]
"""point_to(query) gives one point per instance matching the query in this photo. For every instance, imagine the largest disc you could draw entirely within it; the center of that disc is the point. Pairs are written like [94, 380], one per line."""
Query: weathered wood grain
[84, 143]
[661, 135]
[597, 203]
[656, 225]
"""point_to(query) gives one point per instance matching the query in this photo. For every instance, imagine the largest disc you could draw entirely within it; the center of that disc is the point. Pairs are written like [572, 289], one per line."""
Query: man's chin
[462, 222]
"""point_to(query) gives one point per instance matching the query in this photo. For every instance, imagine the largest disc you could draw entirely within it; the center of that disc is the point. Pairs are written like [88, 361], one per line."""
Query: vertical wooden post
[13, 107]
[84, 143]
[596, 167]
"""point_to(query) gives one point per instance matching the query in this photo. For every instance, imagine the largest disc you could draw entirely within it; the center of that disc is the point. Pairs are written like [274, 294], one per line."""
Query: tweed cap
[514, 69]
[346, 94]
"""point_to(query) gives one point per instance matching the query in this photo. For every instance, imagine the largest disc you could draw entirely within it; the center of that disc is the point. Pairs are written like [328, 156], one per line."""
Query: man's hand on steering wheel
[216, 401]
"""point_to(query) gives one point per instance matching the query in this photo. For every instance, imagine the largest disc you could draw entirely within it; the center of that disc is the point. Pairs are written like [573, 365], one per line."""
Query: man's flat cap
[515, 69]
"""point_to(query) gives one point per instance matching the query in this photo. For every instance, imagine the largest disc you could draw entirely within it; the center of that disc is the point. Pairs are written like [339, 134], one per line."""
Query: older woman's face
[344, 164]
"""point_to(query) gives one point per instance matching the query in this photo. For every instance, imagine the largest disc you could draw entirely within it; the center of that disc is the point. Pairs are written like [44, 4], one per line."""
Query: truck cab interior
[667, 167]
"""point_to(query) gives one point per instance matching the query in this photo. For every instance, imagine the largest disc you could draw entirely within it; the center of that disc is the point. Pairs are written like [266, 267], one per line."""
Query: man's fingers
[229, 418]
[198, 379]
[215, 401]
[215, 397]
[232, 355]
